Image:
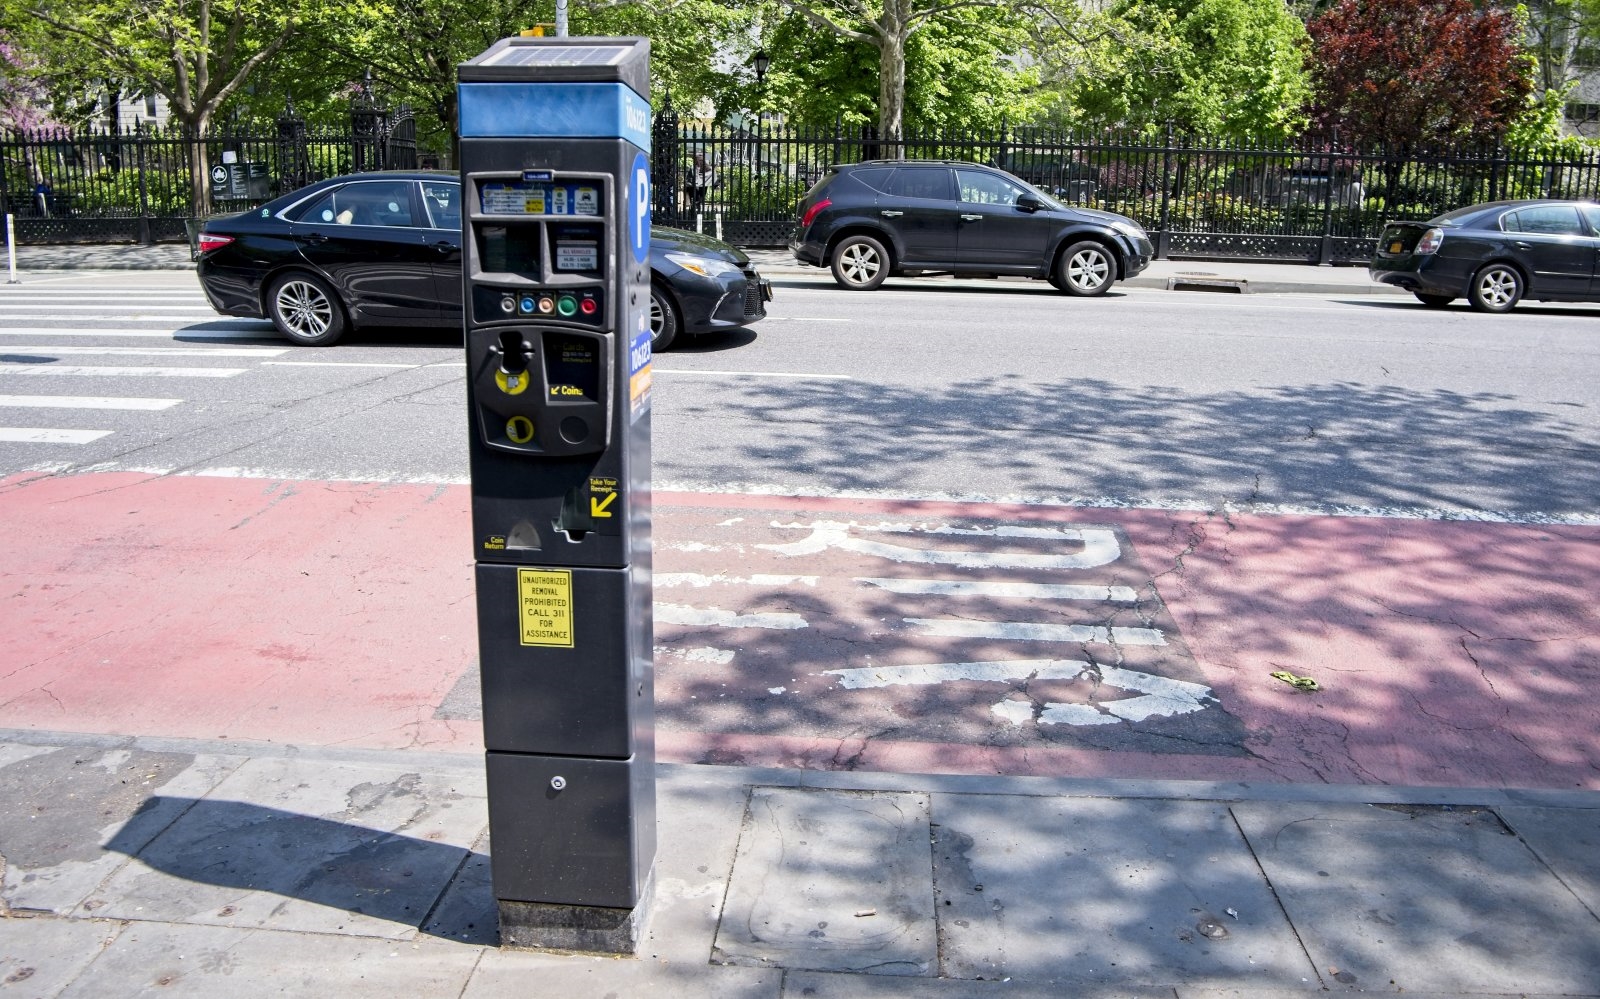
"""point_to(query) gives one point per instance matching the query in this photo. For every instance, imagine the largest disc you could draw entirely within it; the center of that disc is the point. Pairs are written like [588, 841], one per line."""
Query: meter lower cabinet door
[571, 831]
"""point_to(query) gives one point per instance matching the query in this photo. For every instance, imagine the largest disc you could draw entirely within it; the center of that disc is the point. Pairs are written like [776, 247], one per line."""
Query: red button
[588, 306]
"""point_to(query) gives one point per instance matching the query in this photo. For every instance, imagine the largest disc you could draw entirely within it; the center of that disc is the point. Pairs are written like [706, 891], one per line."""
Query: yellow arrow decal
[597, 507]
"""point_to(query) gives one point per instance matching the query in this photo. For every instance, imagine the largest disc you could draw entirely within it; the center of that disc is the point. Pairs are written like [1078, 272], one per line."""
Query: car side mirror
[1028, 203]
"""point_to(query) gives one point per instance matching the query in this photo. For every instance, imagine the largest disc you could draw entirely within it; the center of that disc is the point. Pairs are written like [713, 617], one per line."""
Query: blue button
[527, 304]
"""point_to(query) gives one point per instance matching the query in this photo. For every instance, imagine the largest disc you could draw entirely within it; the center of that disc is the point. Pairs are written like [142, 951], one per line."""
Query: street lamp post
[760, 61]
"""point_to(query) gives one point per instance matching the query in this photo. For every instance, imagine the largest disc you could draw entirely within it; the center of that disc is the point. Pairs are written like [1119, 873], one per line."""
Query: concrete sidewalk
[1187, 275]
[181, 868]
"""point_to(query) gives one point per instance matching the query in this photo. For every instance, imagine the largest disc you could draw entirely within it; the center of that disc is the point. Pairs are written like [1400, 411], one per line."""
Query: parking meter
[555, 137]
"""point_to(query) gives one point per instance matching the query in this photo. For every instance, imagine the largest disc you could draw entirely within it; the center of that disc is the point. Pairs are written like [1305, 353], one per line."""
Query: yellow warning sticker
[544, 607]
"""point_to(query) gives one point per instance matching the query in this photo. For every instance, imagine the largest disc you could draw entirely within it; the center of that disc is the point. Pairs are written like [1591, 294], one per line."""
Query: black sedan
[1495, 255]
[384, 249]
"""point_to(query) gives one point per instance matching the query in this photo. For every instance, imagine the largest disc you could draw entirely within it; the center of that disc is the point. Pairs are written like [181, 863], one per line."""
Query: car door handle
[891, 215]
[1519, 244]
[445, 246]
[316, 237]
[972, 218]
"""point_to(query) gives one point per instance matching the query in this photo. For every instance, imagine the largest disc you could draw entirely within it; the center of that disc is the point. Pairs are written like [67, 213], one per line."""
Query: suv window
[873, 177]
[931, 182]
[979, 187]
[1553, 220]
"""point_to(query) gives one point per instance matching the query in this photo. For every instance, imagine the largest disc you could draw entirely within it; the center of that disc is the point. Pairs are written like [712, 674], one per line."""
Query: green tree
[195, 53]
[1223, 67]
[887, 29]
[960, 74]
[412, 47]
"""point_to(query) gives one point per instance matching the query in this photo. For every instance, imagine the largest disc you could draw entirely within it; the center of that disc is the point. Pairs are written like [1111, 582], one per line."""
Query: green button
[566, 305]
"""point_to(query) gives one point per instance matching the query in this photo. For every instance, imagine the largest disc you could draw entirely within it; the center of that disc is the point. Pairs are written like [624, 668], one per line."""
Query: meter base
[589, 929]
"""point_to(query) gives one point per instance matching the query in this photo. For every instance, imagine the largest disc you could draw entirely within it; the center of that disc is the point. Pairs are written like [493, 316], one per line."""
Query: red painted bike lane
[833, 633]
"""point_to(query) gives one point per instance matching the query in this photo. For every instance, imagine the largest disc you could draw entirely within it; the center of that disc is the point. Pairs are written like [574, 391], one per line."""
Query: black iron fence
[1314, 199]
[136, 184]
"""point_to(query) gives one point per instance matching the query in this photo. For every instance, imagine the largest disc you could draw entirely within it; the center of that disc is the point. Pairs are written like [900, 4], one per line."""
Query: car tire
[1434, 301]
[1496, 287]
[664, 322]
[305, 310]
[1085, 269]
[860, 263]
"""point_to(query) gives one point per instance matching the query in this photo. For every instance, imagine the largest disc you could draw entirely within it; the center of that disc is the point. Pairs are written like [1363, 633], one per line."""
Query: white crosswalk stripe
[84, 402]
[45, 435]
[10, 368]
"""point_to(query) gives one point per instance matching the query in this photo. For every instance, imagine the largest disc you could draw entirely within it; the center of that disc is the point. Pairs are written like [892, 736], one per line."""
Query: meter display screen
[576, 247]
[572, 255]
[571, 367]
[509, 249]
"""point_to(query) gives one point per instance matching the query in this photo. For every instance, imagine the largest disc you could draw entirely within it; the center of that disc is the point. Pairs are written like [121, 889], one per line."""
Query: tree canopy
[1410, 73]
[1222, 67]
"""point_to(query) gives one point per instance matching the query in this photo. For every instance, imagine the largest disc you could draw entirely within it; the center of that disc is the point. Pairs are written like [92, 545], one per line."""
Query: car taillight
[814, 211]
[1429, 243]
[211, 241]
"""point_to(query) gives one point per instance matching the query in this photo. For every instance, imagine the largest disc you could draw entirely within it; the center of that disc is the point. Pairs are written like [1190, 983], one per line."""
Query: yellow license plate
[1395, 247]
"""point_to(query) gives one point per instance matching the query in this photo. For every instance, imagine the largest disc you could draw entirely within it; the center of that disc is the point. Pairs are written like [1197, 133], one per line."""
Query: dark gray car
[868, 221]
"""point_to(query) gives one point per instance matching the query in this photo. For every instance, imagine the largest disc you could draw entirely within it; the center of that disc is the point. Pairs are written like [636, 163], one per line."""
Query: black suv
[867, 221]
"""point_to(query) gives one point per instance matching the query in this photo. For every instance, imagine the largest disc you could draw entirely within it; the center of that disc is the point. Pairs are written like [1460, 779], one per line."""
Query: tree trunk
[199, 172]
[892, 75]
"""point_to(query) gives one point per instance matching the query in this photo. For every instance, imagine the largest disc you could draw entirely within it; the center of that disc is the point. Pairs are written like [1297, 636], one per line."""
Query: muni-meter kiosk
[555, 136]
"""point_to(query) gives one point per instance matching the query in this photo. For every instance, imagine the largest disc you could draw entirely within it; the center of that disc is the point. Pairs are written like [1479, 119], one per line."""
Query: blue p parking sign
[639, 208]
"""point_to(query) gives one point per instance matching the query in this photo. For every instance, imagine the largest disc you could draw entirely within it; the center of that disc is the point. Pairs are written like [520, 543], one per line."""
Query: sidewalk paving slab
[262, 870]
[1137, 892]
[1423, 898]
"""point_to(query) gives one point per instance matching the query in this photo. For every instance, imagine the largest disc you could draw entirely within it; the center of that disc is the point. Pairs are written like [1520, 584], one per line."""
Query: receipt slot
[555, 137]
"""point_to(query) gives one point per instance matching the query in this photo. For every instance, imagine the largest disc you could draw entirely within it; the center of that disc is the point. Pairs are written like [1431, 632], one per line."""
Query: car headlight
[1130, 229]
[705, 266]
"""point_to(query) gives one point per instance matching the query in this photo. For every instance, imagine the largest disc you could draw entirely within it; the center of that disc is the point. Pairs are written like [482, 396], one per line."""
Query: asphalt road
[936, 388]
[961, 527]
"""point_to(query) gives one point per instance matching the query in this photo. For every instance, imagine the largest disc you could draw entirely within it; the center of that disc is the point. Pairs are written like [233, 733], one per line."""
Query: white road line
[240, 333]
[1159, 696]
[85, 402]
[1024, 631]
[716, 617]
[178, 351]
[335, 364]
[704, 654]
[121, 317]
[1100, 547]
[101, 307]
[928, 674]
[46, 370]
[750, 374]
[39, 435]
[1027, 591]
[668, 580]
[1173, 504]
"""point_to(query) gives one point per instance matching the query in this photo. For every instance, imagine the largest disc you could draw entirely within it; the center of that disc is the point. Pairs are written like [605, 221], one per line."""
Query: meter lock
[542, 391]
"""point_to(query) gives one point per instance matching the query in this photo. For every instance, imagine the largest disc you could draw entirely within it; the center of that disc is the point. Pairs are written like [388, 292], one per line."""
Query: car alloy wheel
[304, 310]
[663, 320]
[1086, 269]
[860, 263]
[1496, 288]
